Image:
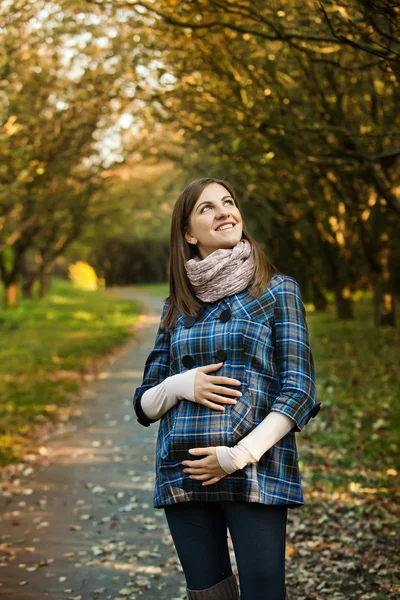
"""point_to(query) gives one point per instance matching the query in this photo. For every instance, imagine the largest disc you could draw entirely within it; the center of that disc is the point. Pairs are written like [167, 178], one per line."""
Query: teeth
[230, 226]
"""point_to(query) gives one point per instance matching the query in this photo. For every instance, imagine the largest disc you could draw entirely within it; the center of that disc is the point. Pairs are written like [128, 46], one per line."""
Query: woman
[231, 378]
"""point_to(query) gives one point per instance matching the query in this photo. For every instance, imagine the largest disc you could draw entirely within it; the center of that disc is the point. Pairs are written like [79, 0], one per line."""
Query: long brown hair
[182, 298]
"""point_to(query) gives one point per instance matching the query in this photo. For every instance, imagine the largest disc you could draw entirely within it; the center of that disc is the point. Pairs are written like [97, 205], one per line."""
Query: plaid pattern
[267, 348]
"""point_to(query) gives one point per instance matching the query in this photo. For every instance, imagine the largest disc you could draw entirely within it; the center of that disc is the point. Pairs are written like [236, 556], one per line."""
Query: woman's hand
[206, 469]
[208, 387]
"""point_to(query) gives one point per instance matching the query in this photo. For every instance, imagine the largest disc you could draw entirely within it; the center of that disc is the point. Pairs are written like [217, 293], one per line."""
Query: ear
[190, 239]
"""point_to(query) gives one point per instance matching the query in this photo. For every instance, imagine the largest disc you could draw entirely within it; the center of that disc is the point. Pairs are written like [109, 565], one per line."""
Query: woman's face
[214, 207]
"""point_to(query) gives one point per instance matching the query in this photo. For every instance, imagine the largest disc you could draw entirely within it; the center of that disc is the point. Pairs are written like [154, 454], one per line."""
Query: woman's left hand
[206, 469]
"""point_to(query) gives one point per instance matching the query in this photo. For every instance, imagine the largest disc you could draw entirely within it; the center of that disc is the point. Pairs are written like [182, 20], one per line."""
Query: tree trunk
[384, 302]
[44, 280]
[28, 274]
[11, 294]
[320, 301]
[27, 280]
[344, 303]
[382, 283]
[27, 287]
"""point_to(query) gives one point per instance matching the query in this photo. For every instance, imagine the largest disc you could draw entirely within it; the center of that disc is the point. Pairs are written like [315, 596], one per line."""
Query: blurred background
[110, 108]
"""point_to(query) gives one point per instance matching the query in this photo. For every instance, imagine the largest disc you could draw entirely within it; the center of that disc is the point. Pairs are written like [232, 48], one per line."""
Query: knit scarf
[224, 272]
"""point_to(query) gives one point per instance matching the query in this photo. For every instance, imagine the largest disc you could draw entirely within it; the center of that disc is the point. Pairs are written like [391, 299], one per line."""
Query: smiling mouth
[226, 228]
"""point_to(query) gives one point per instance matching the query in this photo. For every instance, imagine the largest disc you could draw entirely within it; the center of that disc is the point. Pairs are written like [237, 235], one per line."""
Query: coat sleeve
[156, 369]
[295, 364]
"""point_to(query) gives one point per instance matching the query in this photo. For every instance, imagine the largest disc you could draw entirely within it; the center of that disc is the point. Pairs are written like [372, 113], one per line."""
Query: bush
[83, 276]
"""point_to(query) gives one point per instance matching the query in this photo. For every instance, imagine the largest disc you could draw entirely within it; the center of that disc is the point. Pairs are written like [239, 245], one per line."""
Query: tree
[286, 101]
[64, 89]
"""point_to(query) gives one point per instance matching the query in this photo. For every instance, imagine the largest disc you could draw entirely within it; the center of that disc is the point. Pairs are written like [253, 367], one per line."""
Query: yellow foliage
[83, 276]
[11, 126]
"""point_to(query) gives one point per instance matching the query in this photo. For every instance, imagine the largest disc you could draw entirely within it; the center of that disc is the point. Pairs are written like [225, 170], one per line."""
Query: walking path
[77, 520]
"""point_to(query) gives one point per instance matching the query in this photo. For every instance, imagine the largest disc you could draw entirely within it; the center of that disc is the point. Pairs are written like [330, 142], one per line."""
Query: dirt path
[77, 520]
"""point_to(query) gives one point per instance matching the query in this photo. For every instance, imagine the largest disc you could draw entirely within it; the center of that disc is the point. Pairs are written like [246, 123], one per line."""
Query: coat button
[189, 322]
[188, 361]
[221, 355]
[225, 315]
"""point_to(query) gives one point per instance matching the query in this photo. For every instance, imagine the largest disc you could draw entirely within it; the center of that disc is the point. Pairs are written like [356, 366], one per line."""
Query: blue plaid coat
[264, 343]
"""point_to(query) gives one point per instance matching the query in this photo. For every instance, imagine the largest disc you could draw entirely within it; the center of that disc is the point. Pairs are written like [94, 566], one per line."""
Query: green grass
[354, 438]
[46, 347]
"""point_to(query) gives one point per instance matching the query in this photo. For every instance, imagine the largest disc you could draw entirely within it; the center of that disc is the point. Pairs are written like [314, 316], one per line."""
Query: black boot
[227, 589]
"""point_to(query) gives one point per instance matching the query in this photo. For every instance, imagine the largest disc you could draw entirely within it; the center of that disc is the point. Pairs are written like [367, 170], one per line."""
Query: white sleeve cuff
[232, 459]
[250, 449]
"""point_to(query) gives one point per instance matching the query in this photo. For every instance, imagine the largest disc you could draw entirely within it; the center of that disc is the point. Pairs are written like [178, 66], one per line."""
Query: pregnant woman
[231, 379]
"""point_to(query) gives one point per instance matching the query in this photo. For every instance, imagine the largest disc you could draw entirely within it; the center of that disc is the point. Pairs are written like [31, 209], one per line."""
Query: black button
[188, 361]
[189, 321]
[315, 410]
[225, 315]
[221, 355]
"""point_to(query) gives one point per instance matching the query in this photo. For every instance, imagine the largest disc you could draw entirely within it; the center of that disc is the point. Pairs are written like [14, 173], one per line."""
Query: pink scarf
[224, 272]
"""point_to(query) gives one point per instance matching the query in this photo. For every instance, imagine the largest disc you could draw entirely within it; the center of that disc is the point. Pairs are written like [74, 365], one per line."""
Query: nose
[223, 211]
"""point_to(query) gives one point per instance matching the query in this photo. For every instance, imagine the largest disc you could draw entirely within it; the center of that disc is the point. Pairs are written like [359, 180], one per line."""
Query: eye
[227, 200]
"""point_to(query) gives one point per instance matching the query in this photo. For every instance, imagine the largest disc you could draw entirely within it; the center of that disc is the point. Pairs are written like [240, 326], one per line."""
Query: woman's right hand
[208, 387]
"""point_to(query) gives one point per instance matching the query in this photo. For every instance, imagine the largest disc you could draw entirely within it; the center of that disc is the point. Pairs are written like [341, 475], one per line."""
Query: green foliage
[297, 107]
[46, 347]
[358, 427]
[302, 120]
[133, 245]
[60, 103]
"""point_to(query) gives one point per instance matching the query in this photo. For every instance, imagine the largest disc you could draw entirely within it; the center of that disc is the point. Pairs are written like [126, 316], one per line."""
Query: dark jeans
[258, 532]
